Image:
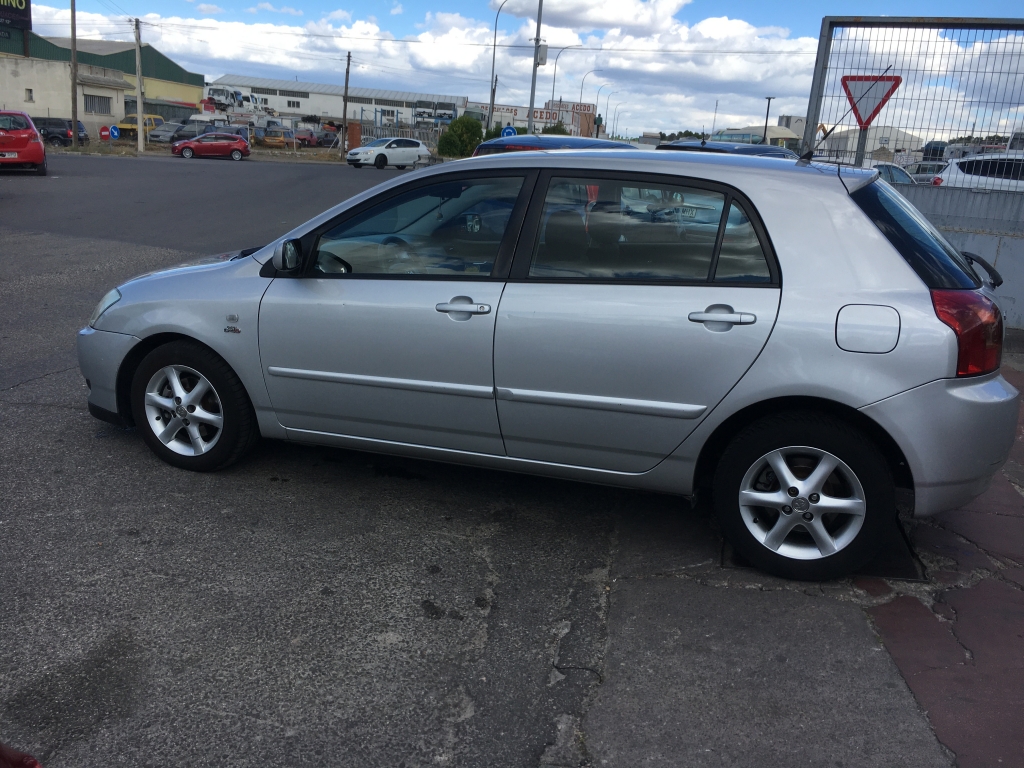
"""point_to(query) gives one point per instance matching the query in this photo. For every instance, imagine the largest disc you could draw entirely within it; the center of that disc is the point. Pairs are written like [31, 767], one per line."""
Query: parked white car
[1003, 171]
[381, 153]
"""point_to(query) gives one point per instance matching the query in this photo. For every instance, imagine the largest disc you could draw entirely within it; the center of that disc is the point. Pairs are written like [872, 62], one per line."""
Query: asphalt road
[323, 607]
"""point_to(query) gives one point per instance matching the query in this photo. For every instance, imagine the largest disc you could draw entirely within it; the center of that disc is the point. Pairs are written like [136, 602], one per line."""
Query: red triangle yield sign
[868, 94]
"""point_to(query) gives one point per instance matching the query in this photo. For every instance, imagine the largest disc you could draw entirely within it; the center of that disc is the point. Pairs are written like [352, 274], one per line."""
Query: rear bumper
[955, 433]
[100, 354]
[34, 154]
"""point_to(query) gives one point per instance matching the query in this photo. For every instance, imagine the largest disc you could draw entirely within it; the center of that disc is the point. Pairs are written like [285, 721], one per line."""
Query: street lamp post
[597, 103]
[616, 123]
[766, 110]
[494, 53]
[607, 102]
[581, 93]
[555, 76]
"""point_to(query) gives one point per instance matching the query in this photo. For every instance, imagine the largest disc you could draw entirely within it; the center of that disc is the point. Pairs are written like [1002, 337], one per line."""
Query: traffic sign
[115, 132]
[507, 131]
[104, 133]
[868, 94]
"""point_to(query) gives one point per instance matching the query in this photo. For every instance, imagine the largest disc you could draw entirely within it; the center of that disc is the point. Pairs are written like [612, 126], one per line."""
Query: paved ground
[312, 607]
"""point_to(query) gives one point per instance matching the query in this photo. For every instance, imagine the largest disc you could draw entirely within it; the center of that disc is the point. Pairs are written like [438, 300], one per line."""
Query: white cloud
[635, 16]
[397, 10]
[339, 15]
[209, 10]
[268, 7]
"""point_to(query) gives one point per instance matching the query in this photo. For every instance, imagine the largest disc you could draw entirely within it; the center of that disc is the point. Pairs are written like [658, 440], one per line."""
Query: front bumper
[100, 354]
[955, 433]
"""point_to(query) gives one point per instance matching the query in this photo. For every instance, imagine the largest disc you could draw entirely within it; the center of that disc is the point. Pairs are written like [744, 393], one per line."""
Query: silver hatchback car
[796, 342]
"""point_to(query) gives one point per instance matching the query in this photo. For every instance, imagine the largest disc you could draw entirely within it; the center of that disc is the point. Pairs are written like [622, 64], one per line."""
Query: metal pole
[581, 95]
[818, 83]
[494, 53]
[490, 112]
[140, 99]
[862, 141]
[764, 139]
[536, 55]
[607, 102]
[597, 103]
[74, 77]
[344, 121]
[714, 119]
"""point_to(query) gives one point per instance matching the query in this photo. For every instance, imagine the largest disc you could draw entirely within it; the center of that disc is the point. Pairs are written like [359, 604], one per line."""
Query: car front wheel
[187, 153]
[804, 496]
[191, 408]
[380, 163]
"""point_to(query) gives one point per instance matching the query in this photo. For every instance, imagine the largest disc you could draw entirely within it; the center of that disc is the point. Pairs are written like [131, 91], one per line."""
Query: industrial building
[35, 77]
[292, 98]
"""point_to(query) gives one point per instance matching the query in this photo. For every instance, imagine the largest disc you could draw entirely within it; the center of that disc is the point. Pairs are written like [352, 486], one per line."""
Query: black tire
[381, 162]
[187, 153]
[56, 141]
[239, 431]
[400, 167]
[41, 168]
[792, 432]
[236, 154]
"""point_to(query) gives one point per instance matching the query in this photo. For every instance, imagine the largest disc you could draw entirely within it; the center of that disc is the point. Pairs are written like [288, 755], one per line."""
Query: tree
[461, 138]
[557, 129]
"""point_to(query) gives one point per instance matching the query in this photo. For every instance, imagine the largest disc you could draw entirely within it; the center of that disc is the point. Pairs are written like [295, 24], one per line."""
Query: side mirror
[287, 256]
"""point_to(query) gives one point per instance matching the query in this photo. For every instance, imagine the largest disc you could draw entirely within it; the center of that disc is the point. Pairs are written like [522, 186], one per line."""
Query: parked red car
[212, 145]
[306, 137]
[21, 145]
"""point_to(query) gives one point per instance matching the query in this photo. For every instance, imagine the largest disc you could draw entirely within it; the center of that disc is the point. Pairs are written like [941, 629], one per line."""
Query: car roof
[14, 112]
[555, 141]
[728, 147]
[707, 165]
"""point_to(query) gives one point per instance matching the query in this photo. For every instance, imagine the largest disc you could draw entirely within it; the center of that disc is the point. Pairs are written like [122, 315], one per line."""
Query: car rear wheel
[56, 141]
[41, 168]
[236, 154]
[187, 153]
[381, 162]
[804, 496]
[191, 408]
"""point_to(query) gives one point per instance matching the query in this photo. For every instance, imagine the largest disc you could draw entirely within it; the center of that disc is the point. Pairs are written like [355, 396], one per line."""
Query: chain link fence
[942, 99]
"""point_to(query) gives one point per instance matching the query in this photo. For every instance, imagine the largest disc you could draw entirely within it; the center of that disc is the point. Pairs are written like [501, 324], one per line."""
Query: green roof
[154, 63]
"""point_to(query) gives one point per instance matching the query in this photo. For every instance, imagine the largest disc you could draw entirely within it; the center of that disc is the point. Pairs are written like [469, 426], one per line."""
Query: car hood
[205, 263]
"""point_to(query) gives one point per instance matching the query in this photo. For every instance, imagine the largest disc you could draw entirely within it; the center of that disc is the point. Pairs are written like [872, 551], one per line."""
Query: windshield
[929, 254]
[378, 143]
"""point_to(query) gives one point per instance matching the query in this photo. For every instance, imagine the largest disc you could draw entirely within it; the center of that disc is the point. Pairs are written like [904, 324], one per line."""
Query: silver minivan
[796, 342]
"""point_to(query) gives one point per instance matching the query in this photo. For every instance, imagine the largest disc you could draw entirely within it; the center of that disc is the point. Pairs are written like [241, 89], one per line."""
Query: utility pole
[344, 121]
[140, 98]
[490, 112]
[74, 77]
[766, 109]
[536, 59]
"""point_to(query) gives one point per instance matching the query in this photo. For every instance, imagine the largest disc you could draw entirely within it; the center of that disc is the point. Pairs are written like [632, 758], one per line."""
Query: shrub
[557, 129]
[461, 138]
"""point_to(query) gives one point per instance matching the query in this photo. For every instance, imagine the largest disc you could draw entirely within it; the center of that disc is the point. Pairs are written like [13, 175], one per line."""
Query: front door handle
[470, 309]
[732, 318]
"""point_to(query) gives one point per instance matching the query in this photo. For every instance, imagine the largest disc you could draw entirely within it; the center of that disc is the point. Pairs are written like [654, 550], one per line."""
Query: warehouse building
[293, 98]
[40, 82]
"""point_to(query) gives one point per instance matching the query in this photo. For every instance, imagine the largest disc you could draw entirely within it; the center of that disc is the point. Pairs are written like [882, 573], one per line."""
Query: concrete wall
[990, 224]
[50, 82]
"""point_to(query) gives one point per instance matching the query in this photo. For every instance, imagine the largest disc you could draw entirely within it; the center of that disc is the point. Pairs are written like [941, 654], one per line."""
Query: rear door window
[624, 229]
[928, 253]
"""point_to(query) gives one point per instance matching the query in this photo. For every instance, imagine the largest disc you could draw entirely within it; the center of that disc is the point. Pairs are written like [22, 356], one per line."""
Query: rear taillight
[937, 182]
[978, 325]
[69, 133]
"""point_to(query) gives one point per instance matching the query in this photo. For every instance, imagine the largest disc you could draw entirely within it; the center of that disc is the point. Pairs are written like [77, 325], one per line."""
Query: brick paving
[959, 641]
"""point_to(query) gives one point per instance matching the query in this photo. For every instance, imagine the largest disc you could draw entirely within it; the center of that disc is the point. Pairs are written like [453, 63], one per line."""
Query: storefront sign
[16, 14]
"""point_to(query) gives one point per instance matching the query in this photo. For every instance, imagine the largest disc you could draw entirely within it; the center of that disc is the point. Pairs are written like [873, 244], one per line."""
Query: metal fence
[955, 105]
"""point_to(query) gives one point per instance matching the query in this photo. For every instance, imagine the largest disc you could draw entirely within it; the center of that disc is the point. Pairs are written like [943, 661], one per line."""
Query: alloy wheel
[184, 410]
[802, 503]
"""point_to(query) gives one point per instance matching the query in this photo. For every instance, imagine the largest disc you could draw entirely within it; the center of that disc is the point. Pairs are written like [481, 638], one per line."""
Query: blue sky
[667, 63]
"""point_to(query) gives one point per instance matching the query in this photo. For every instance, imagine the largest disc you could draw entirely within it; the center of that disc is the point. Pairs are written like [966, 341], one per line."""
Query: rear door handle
[732, 318]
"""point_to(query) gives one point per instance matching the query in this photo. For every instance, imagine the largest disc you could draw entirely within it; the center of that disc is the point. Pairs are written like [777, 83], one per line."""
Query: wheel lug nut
[192, 409]
[808, 516]
[186, 424]
[814, 498]
[786, 510]
[793, 492]
[177, 400]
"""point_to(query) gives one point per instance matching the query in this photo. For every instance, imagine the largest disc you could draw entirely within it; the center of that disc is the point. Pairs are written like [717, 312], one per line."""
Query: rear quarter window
[929, 254]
